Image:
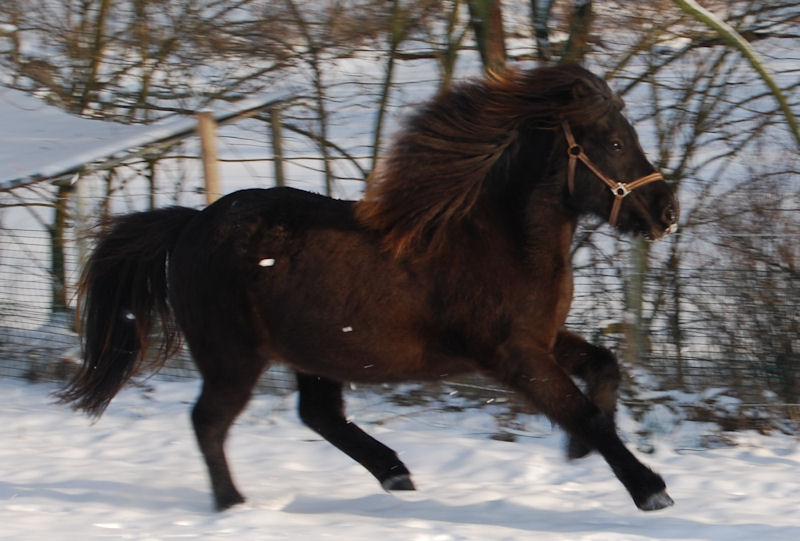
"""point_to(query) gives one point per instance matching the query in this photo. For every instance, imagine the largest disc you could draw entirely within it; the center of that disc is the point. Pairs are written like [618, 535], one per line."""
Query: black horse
[456, 260]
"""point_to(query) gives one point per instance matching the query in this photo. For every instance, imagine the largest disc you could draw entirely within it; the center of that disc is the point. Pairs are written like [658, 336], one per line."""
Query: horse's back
[290, 208]
[292, 276]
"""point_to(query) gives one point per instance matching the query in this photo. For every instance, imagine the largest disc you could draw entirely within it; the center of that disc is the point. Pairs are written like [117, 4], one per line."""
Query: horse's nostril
[668, 216]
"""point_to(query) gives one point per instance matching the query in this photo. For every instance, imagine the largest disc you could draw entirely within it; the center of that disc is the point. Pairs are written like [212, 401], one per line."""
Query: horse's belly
[370, 355]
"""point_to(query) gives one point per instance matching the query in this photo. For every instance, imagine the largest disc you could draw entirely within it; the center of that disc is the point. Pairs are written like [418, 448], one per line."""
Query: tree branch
[730, 36]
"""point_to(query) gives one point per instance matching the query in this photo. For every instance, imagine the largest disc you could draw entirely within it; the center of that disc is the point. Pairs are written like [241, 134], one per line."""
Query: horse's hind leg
[599, 370]
[321, 408]
[220, 402]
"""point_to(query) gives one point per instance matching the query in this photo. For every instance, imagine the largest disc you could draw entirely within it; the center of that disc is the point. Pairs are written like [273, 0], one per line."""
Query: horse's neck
[532, 216]
[549, 229]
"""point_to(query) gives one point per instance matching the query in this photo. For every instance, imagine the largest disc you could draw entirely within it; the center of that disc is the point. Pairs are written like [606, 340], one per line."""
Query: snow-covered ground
[136, 474]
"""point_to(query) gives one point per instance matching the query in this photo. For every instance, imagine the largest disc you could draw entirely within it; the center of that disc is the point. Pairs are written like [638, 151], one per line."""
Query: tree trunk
[91, 86]
[635, 350]
[487, 23]
[455, 37]
[396, 35]
[151, 183]
[315, 63]
[540, 15]
[58, 269]
[673, 284]
[580, 26]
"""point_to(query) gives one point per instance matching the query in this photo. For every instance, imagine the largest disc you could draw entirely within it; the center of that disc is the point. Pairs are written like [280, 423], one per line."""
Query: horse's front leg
[598, 368]
[538, 376]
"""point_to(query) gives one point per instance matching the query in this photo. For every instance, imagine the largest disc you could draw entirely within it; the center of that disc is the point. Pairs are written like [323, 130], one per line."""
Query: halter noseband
[619, 189]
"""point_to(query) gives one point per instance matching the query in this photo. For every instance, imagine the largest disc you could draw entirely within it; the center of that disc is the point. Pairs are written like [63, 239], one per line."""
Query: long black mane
[435, 170]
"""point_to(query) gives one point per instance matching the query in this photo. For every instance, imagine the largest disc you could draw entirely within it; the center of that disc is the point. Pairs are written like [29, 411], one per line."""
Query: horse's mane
[433, 174]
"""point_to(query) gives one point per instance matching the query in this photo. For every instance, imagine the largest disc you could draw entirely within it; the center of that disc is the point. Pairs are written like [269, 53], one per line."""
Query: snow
[44, 141]
[136, 474]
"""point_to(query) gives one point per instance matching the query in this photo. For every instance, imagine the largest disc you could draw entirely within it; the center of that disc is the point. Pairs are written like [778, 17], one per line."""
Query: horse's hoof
[226, 503]
[657, 501]
[398, 482]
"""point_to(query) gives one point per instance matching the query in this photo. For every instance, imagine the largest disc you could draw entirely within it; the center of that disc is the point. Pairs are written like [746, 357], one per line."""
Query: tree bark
[58, 267]
[580, 27]
[487, 23]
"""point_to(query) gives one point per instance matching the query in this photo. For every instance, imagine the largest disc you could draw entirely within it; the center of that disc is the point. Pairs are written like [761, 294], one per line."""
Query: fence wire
[735, 331]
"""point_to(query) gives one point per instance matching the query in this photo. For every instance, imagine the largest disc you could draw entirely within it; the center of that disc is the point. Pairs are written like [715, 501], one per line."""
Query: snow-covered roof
[39, 141]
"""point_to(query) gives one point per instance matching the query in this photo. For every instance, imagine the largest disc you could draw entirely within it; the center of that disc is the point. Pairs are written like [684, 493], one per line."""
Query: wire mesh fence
[731, 331]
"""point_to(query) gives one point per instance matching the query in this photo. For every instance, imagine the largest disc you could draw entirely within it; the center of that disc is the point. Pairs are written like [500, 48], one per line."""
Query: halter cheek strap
[619, 189]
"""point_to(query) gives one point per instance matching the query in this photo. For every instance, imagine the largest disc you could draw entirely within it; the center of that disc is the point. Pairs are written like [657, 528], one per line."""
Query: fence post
[207, 129]
[277, 144]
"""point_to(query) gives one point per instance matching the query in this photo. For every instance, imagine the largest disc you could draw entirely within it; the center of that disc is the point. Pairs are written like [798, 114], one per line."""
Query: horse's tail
[122, 302]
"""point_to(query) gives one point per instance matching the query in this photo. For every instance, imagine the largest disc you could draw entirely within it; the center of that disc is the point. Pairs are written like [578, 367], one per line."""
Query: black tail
[122, 297]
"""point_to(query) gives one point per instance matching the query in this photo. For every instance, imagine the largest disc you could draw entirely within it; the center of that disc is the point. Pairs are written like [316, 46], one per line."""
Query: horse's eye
[616, 146]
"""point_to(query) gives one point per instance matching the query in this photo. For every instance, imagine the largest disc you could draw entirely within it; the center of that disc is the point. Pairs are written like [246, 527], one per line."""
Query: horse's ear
[591, 98]
[572, 94]
[580, 90]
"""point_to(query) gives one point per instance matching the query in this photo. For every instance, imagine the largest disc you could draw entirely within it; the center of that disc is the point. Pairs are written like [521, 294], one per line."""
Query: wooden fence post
[277, 144]
[207, 129]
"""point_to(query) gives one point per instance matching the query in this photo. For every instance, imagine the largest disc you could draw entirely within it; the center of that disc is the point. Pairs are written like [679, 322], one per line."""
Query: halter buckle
[620, 190]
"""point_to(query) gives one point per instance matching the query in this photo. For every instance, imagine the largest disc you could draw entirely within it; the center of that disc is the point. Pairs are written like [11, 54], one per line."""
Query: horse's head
[488, 141]
[608, 173]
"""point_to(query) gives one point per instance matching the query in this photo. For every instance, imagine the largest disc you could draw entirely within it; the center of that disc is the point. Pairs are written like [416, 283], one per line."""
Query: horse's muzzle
[667, 222]
[669, 217]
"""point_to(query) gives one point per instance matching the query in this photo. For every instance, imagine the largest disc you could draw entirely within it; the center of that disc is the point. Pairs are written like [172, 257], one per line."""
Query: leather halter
[619, 189]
